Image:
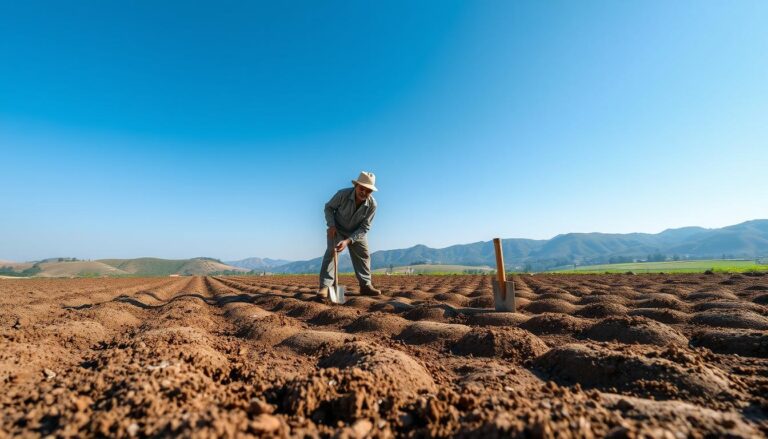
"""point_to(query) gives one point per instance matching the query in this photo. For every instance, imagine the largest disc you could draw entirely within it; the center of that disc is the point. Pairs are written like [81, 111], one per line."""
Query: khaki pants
[361, 261]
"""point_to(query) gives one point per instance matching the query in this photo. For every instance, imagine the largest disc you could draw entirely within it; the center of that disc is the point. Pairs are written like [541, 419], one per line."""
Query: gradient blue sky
[181, 129]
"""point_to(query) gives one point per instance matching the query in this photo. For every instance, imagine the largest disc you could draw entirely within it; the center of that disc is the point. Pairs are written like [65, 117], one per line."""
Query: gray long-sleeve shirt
[342, 213]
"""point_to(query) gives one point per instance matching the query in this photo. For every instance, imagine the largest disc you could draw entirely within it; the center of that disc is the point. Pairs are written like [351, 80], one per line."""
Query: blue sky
[220, 129]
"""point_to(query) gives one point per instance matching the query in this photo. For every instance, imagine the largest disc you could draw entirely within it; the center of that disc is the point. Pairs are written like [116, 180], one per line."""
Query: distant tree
[31, 271]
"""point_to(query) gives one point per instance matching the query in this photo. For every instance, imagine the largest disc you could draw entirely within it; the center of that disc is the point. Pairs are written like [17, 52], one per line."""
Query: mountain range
[257, 263]
[745, 240]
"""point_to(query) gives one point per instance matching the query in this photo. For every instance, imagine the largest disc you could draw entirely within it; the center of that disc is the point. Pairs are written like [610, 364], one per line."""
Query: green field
[435, 269]
[718, 265]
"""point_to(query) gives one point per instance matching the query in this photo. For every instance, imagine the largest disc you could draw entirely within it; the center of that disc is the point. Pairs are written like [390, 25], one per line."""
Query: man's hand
[331, 232]
[342, 245]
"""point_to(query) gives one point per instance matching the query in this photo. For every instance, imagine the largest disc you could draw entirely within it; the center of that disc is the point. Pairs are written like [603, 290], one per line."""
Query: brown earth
[583, 356]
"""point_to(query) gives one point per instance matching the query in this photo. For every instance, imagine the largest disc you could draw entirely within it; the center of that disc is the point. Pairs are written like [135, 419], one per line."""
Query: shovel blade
[504, 302]
[336, 295]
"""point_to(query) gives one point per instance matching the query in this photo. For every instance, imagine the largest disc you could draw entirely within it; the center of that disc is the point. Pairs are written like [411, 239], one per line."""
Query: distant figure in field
[349, 215]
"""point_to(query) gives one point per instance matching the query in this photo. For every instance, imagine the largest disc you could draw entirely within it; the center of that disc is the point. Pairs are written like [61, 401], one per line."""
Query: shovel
[503, 289]
[335, 292]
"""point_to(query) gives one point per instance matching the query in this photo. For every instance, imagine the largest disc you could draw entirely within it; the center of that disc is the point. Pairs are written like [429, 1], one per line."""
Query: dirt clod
[512, 344]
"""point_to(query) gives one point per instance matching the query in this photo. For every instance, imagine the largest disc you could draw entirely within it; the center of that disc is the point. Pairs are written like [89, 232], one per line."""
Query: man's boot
[369, 290]
[322, 293]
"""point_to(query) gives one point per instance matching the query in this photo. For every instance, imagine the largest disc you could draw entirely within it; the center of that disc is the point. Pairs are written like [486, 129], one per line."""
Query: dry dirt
[584, 356]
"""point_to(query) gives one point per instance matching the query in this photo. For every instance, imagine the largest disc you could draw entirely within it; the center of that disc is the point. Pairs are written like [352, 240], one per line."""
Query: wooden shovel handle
[500, 264]
[335, 267]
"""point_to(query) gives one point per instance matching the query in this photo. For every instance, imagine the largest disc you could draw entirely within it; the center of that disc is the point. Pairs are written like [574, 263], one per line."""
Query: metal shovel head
[504, 302]
[336, 294]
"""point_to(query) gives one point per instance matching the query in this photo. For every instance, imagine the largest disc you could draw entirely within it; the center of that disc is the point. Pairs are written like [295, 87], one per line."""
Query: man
[349, 215]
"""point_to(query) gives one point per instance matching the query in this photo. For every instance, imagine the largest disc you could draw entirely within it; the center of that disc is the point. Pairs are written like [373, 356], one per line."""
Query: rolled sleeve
[330, 209]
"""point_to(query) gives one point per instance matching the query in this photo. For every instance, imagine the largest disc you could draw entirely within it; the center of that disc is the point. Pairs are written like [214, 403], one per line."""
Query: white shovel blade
[336, 295]
[504, 302]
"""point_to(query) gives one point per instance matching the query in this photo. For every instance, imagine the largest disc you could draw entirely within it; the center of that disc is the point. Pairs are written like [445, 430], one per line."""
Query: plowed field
[584, 356]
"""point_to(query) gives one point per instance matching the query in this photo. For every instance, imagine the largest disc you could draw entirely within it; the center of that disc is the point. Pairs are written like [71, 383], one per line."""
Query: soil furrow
[585, 355]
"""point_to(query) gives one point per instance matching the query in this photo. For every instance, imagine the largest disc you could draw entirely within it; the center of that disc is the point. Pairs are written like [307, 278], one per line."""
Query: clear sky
[182, 129]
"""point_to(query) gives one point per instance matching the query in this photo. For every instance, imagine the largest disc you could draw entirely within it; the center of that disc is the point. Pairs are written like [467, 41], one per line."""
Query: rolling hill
[77, 269]
[54, 267]
[164, 267]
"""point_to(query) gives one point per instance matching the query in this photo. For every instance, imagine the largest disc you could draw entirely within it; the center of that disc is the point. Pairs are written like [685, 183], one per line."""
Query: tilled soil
[584, 356]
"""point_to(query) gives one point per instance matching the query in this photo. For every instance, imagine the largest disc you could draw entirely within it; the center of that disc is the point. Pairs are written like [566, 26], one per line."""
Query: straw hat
[366, 179]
